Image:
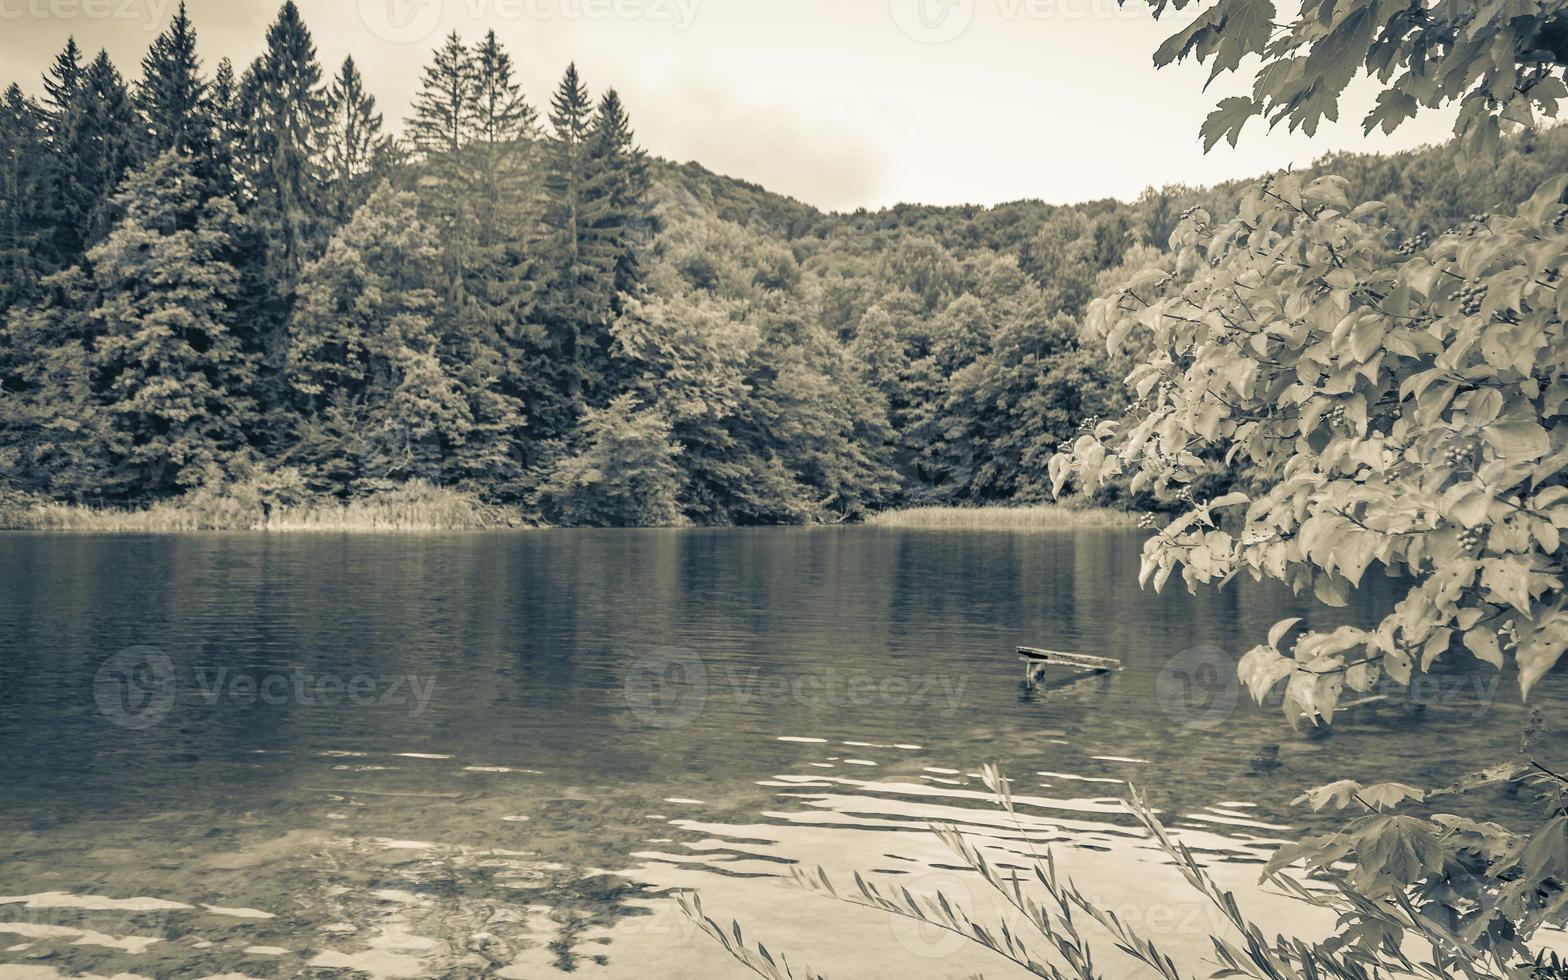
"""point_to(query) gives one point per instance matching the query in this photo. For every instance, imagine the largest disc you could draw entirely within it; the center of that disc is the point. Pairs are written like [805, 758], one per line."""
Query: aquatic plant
[1047, 910]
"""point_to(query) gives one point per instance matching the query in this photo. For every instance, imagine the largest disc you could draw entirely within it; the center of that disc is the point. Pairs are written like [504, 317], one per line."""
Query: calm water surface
[497, 754]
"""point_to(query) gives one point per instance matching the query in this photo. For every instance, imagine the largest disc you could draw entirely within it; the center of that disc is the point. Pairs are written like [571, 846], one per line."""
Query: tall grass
[414, 507]
[1033, 517]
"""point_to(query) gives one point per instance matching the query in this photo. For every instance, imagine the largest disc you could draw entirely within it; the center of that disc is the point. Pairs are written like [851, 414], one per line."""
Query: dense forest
[226, 278]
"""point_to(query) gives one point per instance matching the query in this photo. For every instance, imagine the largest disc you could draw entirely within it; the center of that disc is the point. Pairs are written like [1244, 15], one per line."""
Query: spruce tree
[575, 289]
[443, 109]
[285, 112]
[62, 79]
[617, 191]
[173, 97]
[172, 374]
[24, 197]
[355, 144]
[501, 127]
[223, 98]
[94, 142]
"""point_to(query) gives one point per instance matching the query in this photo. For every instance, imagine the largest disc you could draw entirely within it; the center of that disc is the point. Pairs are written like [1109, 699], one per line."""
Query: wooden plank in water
[1061, 658]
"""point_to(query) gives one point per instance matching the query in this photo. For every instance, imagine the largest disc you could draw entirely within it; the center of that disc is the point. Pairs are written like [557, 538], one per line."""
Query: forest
[246, 281]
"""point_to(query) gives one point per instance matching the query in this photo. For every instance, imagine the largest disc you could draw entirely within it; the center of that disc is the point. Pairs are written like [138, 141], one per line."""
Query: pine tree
[94, 140]
[355, 145]
[443, 109]
[62, 79]
[285, 111]
[24, 197]
[173, 377]
[174, 99]
[223, 98]
[617, 191]
[501, 126]
[574, 293]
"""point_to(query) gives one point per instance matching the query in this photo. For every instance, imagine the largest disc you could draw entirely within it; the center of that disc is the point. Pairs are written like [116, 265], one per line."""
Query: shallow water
[496, 754]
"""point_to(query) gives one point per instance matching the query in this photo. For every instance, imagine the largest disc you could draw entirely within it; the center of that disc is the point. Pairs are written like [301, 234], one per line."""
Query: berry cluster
[1469, 539]
[1147, 521]
[1510, 634]
[1457, 457]
[1088, 424]
[1414, 243]
[1336, 415]
[1477, 224]
[1470, 298]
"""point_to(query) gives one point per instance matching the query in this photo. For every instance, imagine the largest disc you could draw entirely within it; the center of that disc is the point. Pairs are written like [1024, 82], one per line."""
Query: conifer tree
[223, 97]
[24, 197]
[62, 79]
[617, 194]
[285, 110]
[355, 145]
[574, 293]
[173, 377]
[173, 97]
[443, 109]
[94, 142]
[501, 126]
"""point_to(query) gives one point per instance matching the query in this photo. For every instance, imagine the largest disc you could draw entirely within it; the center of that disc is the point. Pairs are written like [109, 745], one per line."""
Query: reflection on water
[492, 755]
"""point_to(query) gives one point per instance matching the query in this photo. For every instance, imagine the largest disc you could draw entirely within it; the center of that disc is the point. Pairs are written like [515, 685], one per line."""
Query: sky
[840, 103]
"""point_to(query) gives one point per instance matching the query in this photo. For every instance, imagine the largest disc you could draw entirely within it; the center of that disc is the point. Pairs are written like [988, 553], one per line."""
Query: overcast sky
[842, 103]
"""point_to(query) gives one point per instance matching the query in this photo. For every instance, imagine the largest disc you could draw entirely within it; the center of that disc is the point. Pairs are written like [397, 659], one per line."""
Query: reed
[416, 507]
[1032, 517]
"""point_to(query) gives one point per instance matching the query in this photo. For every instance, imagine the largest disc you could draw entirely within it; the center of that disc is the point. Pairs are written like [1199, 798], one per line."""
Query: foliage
[1382, 405]
[1499, 63]
[812, 367]
[172, 378]
[1050, 929]
[622, 471]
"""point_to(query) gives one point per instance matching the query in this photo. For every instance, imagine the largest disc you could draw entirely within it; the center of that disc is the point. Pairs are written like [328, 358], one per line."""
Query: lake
[497, 754]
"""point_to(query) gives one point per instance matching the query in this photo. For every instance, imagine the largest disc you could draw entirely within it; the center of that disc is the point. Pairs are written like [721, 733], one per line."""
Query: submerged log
[1036, 660]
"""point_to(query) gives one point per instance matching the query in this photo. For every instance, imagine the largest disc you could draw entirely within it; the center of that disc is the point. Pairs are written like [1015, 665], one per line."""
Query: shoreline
[1005, 517]
[432, 510]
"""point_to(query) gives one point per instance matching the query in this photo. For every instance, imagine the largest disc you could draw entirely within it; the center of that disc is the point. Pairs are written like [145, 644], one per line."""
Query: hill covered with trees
[225, 279]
